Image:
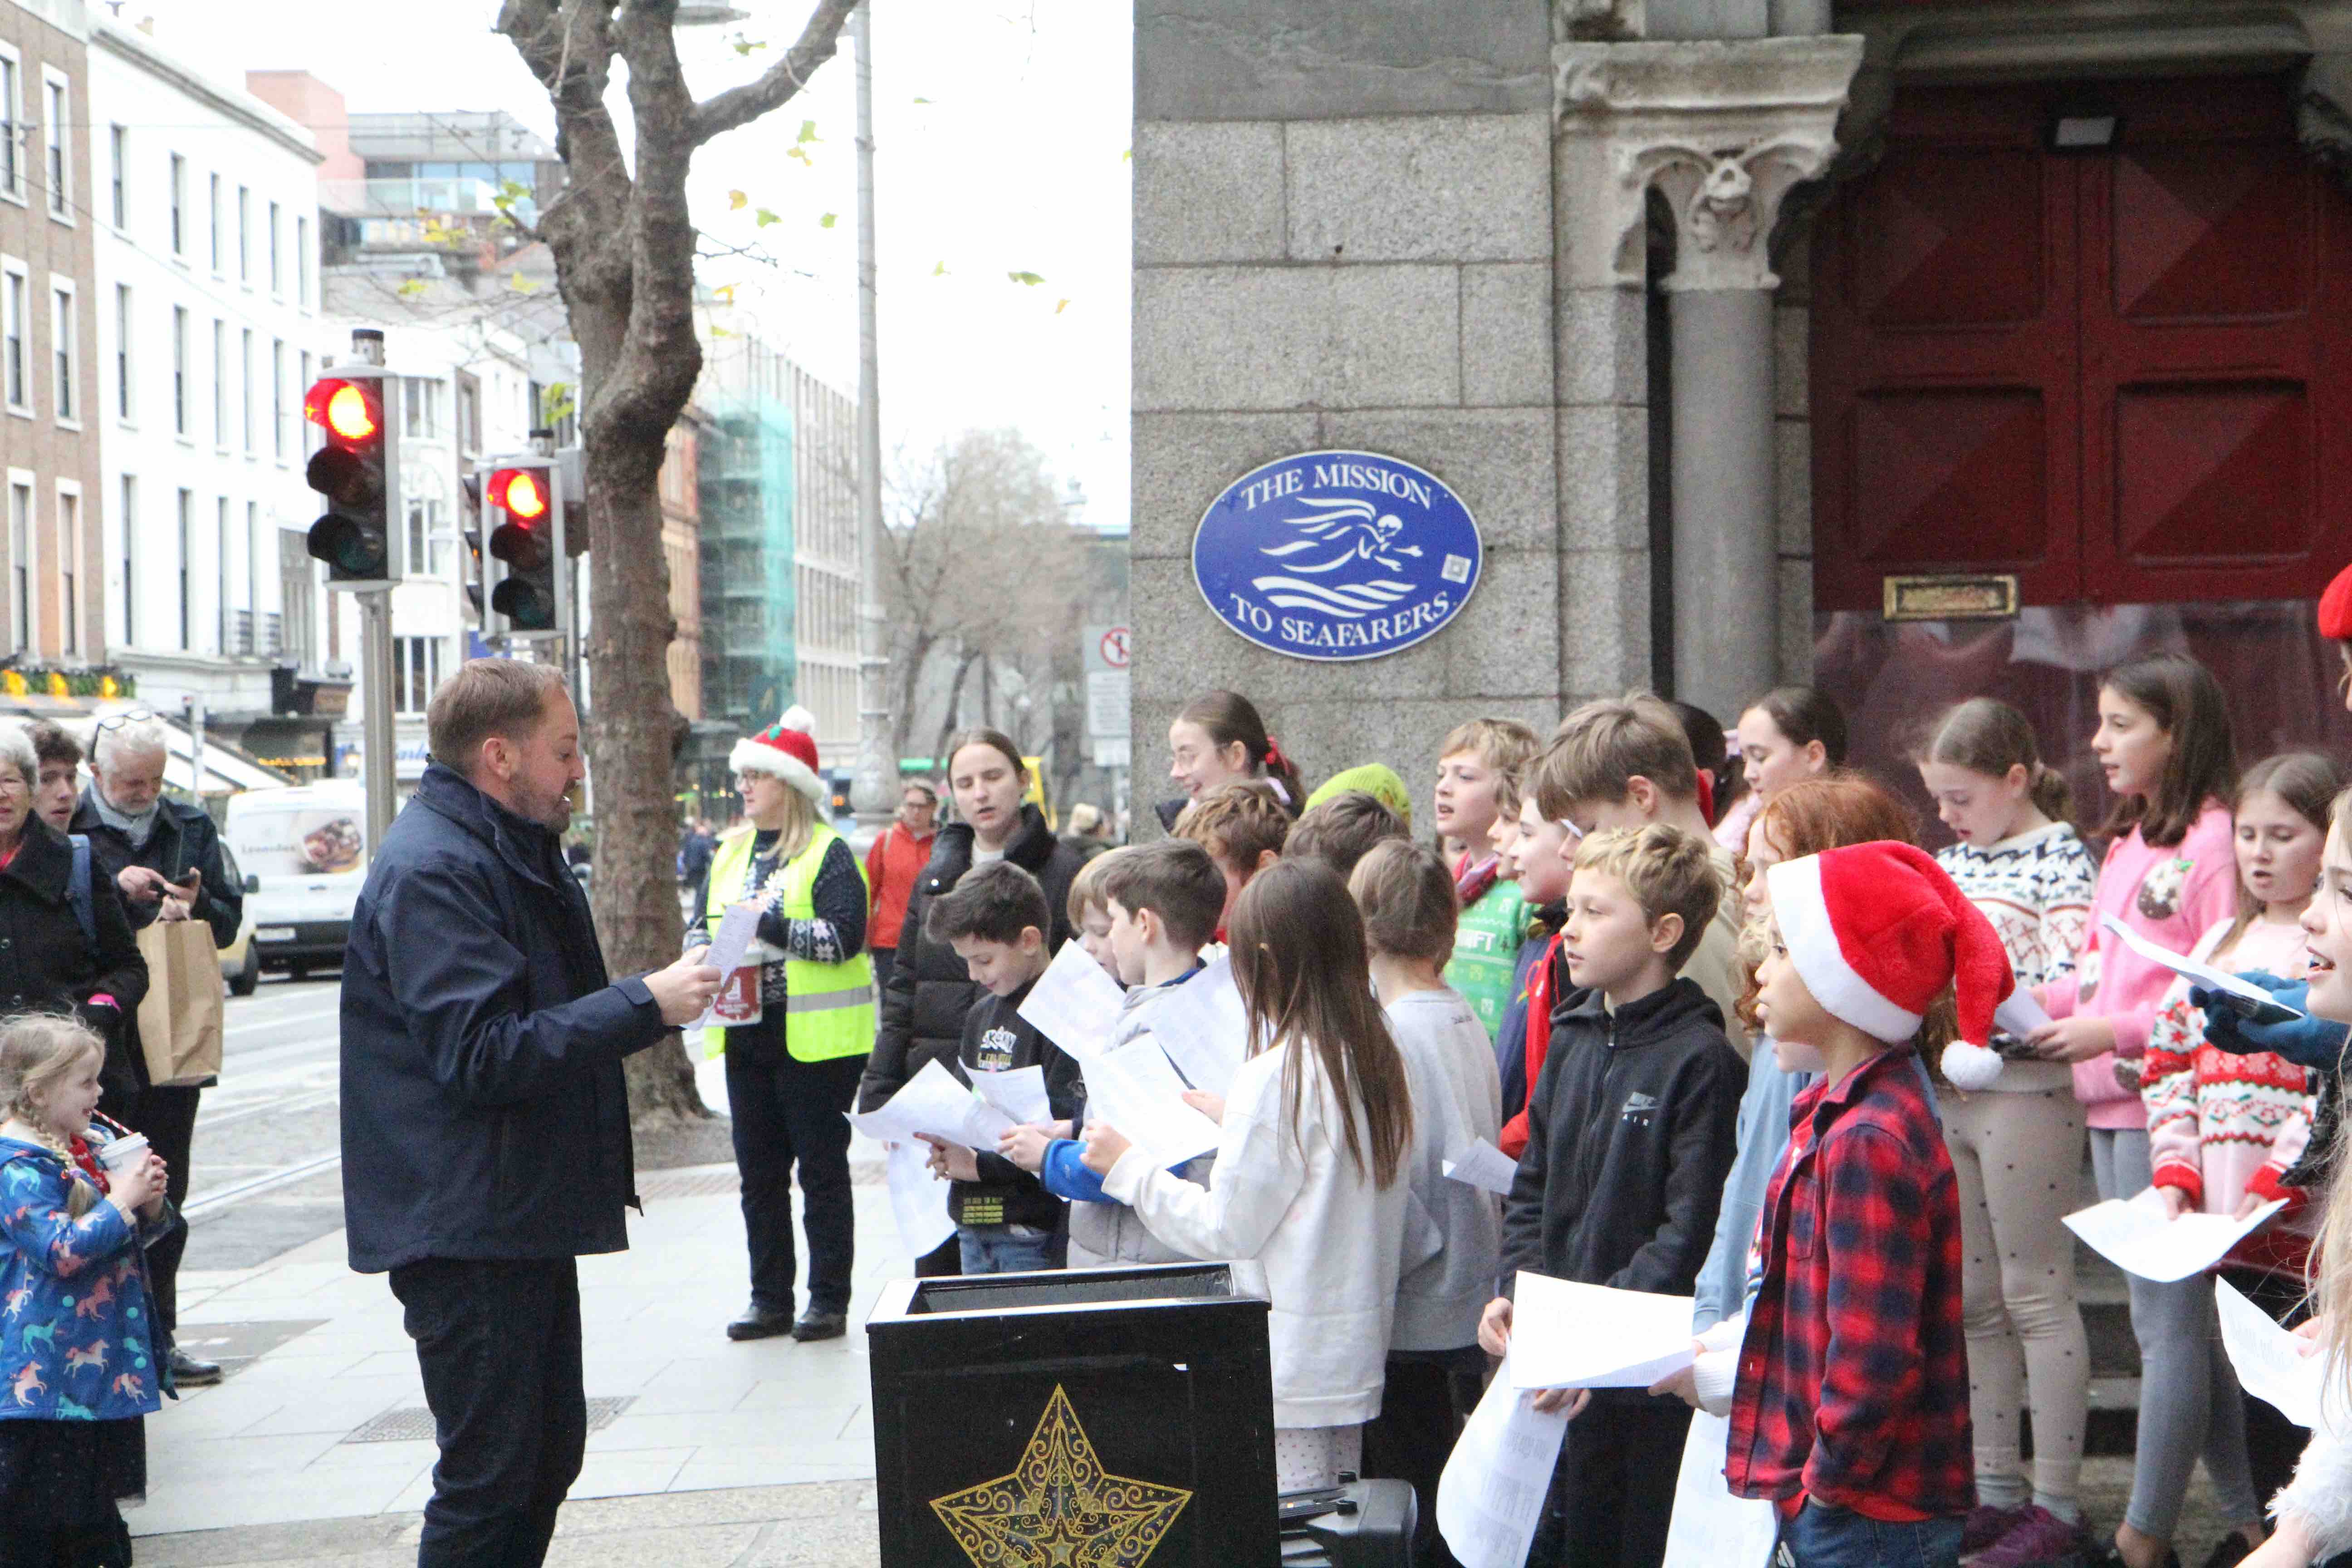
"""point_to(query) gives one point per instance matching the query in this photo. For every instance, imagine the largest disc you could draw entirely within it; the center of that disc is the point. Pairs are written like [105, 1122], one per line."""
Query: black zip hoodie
[997, 1038]
[1631, 1131]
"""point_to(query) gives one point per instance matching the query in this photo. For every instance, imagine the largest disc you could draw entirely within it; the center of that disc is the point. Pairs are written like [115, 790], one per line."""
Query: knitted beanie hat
[785, 750]
[1877, 930]
[1375, 779]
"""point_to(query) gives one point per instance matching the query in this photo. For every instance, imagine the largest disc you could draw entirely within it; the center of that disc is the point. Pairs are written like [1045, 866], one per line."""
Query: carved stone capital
[2323, 113]
[1724, 130]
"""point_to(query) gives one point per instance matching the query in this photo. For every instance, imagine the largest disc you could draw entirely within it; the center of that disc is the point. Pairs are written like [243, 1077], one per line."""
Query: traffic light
[525, 565]
[358, 470]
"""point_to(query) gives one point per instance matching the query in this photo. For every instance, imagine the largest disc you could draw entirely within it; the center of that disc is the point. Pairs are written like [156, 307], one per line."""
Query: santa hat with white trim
[1877, 930]
[785, 750]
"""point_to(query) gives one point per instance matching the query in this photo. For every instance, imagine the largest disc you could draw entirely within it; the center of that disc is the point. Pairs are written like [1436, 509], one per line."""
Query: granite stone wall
[1345, 236]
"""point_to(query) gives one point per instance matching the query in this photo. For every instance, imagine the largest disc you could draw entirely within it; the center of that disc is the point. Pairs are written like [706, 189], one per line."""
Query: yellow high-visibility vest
[828, 1007]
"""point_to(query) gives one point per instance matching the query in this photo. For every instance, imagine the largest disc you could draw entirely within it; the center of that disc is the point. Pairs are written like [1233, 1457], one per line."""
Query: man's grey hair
[139, 738]
[17, 752]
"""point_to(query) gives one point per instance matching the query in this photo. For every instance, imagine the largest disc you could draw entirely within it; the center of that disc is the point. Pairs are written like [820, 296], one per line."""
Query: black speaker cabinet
[1098, 1418]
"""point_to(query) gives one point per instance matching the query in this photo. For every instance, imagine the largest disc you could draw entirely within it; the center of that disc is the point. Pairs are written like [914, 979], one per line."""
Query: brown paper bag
[180, 1021]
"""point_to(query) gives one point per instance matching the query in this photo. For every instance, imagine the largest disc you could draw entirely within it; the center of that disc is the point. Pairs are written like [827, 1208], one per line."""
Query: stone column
[1723, 130]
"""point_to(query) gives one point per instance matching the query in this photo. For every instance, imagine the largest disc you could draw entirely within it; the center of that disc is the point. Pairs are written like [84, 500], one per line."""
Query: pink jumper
[2171, 896]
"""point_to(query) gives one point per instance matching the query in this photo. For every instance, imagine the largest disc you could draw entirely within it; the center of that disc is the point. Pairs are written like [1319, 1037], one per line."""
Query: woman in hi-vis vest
[799, 1005]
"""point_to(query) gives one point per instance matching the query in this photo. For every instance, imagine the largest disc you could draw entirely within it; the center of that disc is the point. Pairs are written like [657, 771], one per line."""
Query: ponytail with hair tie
[1275, 761]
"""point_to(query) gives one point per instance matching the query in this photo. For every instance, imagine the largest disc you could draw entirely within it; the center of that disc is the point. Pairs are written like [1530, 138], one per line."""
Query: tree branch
[741, 105]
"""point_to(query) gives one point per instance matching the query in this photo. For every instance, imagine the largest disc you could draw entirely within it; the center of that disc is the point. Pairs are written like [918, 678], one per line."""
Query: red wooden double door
[2123, 375]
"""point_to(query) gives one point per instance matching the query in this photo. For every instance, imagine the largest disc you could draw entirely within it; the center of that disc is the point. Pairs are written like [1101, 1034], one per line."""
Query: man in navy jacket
[486, 1122]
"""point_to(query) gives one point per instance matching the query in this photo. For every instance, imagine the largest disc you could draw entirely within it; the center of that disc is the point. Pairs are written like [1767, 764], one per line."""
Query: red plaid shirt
[1853, 1373]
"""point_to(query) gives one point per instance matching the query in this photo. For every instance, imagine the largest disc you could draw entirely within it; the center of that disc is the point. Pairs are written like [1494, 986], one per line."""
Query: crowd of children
[1736, 1029]
[1733, 1025]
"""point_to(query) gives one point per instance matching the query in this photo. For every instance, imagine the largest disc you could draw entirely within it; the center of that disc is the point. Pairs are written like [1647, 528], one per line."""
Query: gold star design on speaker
[1059, 1508]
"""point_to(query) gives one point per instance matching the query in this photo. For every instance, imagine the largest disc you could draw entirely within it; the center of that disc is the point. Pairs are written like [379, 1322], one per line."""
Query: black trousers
[1428, 1395]
[883, 957]
[498, 1344]
[168, 1117]
[1612, 1494]
[785, 1114]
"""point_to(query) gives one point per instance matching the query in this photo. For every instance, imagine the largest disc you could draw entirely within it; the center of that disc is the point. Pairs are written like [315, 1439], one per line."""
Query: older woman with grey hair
[65, 943]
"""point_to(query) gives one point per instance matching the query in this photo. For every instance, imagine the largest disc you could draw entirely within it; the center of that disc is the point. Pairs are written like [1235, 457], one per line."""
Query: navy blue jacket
[484, 1111]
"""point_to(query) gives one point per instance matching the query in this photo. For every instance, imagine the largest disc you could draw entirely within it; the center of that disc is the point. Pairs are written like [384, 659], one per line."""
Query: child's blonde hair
[1505, 746]
[1086, 887]
[2330, 1280]
[1667, 871]
[37, 1051]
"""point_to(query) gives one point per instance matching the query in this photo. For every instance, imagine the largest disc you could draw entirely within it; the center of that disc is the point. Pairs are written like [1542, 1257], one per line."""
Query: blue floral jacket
[75, 1337]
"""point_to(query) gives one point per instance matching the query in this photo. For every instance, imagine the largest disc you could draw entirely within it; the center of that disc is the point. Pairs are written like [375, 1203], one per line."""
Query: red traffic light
[347, 410]
[521, 491]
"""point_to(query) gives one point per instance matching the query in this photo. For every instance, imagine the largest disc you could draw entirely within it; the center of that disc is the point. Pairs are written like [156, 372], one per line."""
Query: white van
[304, 853]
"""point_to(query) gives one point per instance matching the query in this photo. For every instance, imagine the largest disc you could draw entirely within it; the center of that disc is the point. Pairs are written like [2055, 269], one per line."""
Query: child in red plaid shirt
[1848, 1379]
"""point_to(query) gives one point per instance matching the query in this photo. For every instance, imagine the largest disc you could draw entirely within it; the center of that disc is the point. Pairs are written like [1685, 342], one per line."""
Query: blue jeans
[1822, 1537]
[997, 1251]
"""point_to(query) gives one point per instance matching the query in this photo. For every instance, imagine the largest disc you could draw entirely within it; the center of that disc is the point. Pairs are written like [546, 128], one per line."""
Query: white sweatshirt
[1458, 1097]
[1332, 1245]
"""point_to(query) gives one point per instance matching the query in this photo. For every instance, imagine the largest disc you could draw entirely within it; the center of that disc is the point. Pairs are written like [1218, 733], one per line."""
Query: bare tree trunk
[624, 247]
[633, 734]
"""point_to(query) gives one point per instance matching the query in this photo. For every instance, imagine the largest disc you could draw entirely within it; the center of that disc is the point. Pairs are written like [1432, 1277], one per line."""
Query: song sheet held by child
[2137, 1238]
[1483, 1166]
[932, 1101]
[2204, 974]
[919, 1200]
[1566, 1335]
[2269, 1359]
[1203, 1027]
[1019, 1092]
[1490, 1496]
[1073, 1003]
[1710, 1528]
[1135, 1089]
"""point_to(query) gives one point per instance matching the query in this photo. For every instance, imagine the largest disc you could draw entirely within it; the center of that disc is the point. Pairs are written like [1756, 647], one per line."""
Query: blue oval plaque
[1337, 555]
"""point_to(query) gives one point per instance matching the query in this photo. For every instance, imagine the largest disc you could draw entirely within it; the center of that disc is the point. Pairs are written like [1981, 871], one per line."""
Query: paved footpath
[758, 1453]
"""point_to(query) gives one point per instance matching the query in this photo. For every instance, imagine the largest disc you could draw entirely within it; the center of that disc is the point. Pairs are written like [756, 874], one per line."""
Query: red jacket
[1543, 988]
[1853, 1373]
[892, 868]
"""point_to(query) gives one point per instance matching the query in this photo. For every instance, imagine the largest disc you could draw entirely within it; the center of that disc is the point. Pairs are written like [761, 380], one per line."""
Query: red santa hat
[1877, 930]
[2335, 608]
[785, 750]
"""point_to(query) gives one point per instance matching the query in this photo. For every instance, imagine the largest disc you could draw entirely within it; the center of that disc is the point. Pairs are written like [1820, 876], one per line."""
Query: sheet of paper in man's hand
[737, 926]
[1482, 1166]
[1566, 1335]
[1073, 1003]
[2269, 1008]
[1491, 1495]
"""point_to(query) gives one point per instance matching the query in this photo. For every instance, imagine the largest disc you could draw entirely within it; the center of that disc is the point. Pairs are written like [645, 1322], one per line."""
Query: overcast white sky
[1017, 163]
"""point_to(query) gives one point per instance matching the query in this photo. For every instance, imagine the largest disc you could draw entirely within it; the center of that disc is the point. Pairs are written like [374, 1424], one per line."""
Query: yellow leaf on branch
[737, 201]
